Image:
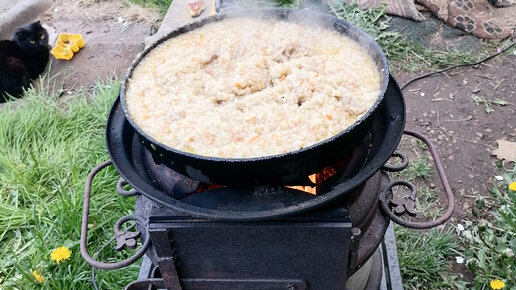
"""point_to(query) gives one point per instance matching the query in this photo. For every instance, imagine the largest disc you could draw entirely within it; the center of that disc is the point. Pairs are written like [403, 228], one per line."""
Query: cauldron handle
[125, 193]
[406, 204]
[123, 238]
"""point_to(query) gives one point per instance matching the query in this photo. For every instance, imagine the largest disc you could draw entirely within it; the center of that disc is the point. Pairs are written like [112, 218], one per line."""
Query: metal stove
[313, 250]
[195, 236]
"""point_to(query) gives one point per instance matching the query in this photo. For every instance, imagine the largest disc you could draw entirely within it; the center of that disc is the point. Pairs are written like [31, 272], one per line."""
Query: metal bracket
[166, 261]
[407, 204]
[354, 247]
[124, 238]
[398, 167]
[125, 193]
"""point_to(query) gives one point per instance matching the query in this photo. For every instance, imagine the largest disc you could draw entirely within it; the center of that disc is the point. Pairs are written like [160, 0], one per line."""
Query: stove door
[200, 254]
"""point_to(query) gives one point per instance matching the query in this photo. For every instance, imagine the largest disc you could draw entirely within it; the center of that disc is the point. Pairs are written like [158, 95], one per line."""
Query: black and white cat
[22, 59]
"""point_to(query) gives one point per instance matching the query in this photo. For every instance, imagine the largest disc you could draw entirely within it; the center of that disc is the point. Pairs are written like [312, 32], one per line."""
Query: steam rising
[314, 14]
[266, 70]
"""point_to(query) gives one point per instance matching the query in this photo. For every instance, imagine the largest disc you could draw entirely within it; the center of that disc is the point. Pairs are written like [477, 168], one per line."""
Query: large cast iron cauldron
[288, 168]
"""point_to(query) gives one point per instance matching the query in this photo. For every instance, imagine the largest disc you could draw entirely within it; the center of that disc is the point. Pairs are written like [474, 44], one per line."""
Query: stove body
[264, 237]
[338, 246]
[380, 272]
[255, 255]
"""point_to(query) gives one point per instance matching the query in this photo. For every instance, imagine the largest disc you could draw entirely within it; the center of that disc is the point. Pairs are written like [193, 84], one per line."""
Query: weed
[418, 144]
[425, 259]
[417, 169]
[268, 3]
[400, 52]
[490, 246]
[46, 152]
[488, 103]
[161, 5]
[289, 3]
[427, 203]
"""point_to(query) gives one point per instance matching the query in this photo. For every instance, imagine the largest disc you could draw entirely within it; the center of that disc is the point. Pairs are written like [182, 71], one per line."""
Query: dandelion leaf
[499, 102]
[478, 99]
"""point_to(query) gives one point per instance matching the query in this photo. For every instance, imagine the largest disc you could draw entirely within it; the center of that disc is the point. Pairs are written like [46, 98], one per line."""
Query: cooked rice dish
[247, 87]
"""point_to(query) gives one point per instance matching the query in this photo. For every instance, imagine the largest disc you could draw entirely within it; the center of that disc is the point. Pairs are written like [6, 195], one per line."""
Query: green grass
[268, 3]
[490, 245]
[487, 243]
[401, 53]
[419, 168]
[161, 5]
[425, 259]
[428, 203]
[46, 153]
[425, 256]
[288, 3]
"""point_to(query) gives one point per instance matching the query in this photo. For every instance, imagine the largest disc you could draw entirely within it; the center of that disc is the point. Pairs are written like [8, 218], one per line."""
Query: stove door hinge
[354, 246]
[166, 262]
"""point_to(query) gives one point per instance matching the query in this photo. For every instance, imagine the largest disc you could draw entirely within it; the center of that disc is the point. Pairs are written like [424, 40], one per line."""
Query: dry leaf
[196, 7]
[506, 150]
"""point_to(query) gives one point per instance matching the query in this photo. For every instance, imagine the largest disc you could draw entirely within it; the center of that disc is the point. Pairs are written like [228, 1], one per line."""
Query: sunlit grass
[47, 147]
[161, 5]
[490, 243]
[402, 54]
[425, 256]
[425, 259]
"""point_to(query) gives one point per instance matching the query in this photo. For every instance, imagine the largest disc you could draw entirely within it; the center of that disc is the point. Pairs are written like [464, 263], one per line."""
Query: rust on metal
[398, 167]
[125, 238]
[386, 199]
[406, 204]
[125, 193]
[84, 229]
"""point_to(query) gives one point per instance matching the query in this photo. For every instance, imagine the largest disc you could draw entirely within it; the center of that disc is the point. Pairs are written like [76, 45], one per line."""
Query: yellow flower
[497, 284]
[60, 254]
[512, 186]
[38, 276]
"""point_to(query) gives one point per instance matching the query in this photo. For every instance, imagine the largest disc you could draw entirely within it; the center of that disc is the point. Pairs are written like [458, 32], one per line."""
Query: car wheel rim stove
[263, 237]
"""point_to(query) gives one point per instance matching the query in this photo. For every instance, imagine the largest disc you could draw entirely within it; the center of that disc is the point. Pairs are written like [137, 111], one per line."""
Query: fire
[317, 179]
[206, 187]
[309, 189]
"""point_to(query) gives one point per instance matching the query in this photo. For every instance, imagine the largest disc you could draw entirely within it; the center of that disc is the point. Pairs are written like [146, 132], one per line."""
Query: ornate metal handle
[123, 238]
[407, 203]
[125, 193]
[397, 167]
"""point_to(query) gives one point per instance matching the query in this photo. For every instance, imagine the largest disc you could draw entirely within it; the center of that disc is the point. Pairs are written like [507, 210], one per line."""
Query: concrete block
[177, 16]
[14, 13]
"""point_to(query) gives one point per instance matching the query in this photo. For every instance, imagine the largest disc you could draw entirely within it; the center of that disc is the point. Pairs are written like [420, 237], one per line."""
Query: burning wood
[320, 177]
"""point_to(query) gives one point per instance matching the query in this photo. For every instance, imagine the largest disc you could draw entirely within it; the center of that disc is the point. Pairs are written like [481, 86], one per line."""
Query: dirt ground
[114, 33]
[448, 107]
[450, 110]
